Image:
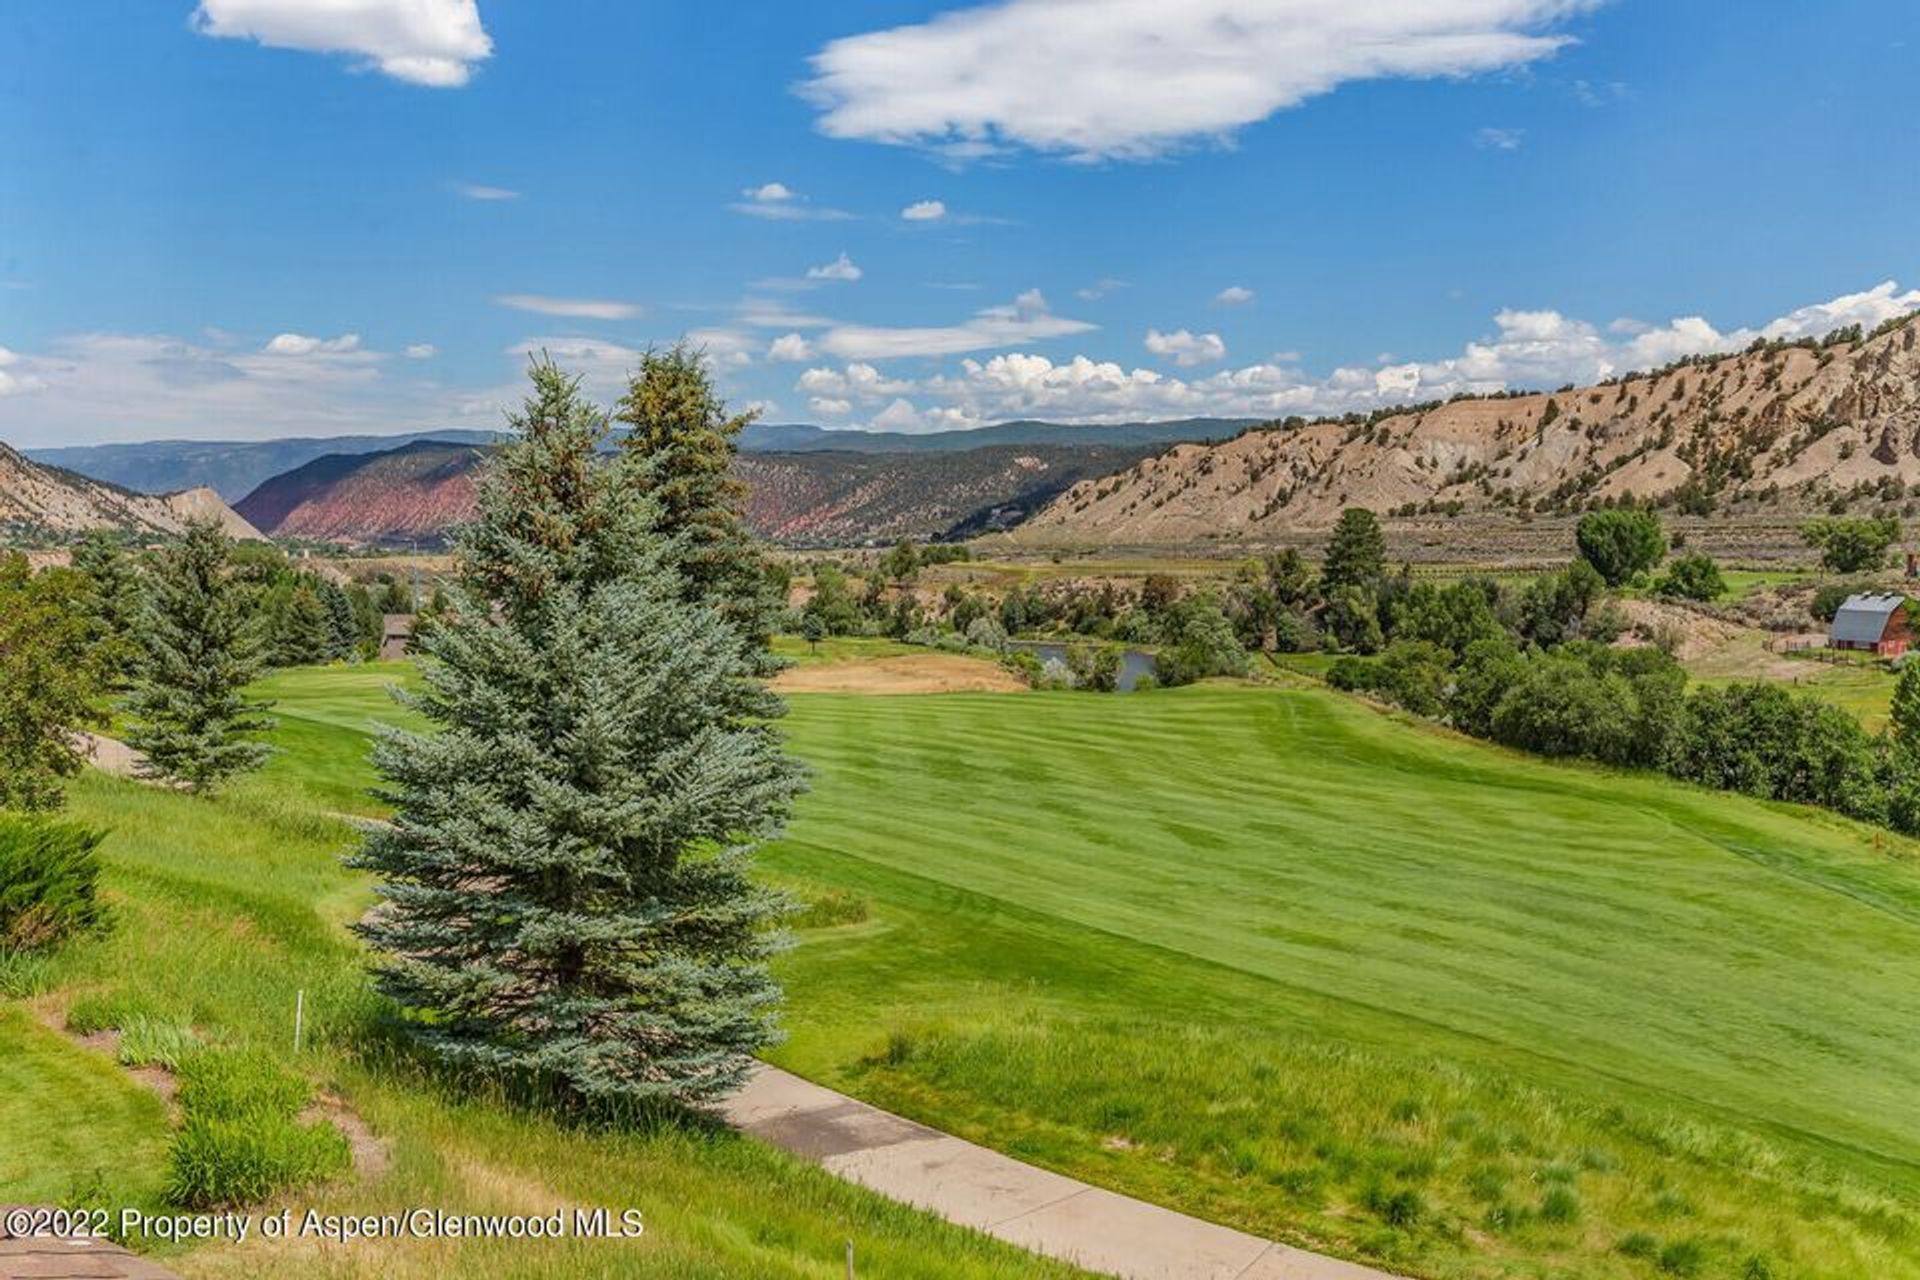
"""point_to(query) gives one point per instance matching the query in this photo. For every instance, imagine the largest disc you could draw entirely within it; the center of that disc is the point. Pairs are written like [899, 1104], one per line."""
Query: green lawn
[227, 908]
[1263, 954]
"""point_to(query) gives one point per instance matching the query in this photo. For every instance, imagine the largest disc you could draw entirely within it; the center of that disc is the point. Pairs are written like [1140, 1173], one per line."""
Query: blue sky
[248, 218]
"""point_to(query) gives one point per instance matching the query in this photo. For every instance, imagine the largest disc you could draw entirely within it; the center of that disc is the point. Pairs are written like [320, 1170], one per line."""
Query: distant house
[394, 635]
[1872, 622]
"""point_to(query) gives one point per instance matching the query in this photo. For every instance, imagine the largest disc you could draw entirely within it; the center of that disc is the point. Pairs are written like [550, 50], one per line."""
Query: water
[1134, 663]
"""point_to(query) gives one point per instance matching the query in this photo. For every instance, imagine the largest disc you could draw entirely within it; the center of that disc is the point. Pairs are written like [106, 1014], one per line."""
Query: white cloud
[421, 351]
[14, 384]
[925, 211]
[828, 407]
[1186, 349]
[725, 347]
[1099, 289]
[790, 346]
[481, 191]
[1129, 79]
[1026, 319]
[1527, 349]
[760, 408]
[1492, 139]
[841, 268]
[299, 344]
[1234, 295]
[781, 203]
[575, 308]
[426, 42]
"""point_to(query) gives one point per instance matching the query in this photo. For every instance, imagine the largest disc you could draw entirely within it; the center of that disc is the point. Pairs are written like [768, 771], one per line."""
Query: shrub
[1413, 673]
[1351, 674]
[242, 1140]
[1199, 643]
[1694, 577]
[1827, 601]
[49, 880]
[1851, 545]
[156, 1042]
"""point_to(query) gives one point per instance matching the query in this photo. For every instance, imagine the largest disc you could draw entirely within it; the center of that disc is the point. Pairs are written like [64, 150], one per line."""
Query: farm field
[1275, 958]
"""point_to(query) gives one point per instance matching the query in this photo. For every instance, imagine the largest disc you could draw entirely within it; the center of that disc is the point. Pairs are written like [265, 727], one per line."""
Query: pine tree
[679, 427]
[1356, 554]
[566, 879]
[302, 631]
[111, 603]
[201, 646]
[343, 631]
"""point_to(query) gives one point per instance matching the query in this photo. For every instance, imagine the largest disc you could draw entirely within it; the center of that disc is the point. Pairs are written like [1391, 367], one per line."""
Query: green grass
[1275, 958]
[1858, 683]
[1262, 954]
[840, 649]
[227, 908]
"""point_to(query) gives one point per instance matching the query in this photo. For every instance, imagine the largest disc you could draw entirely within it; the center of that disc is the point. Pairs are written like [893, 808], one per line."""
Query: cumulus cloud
[790, 346]
[14, 382]
[828, 407]
[780, 202]
[925, 211]
[426, 42]
[1026, 319]
[1186, 349]
[1234, 295]
[841, 268]
[481, 191]
[575, 308]
[299, 344]
[1131, 79]
[1525, 349]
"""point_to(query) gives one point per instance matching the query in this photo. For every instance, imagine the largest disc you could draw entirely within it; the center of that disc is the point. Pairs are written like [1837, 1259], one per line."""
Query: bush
[1024, 664]
[242, 1140]
[1413, 673]
[49, 882]
[1351, 674]
[1560, 1205]
[1199, 643]
[1851, 546]
[1827, 601]
[1694, 577]
[1095, 667]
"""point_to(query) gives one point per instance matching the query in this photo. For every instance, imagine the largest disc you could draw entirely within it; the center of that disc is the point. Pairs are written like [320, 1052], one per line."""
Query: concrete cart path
[51, 1257]
[1050, 1214]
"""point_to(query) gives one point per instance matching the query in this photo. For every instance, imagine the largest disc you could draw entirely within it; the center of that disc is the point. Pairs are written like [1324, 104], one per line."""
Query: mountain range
[235, 469]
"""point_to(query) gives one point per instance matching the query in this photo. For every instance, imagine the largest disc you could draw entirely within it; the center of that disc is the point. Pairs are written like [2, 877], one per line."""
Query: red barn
[1872, 622]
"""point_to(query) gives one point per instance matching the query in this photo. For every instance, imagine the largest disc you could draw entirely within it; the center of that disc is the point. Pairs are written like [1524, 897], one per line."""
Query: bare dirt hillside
[1774, 429]
[38, 500]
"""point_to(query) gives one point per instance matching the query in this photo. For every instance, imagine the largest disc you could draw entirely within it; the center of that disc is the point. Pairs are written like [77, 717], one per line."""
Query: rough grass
[230, 906]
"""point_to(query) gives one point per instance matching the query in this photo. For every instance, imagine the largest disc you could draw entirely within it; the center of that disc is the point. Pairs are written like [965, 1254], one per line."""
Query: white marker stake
[299, 1018]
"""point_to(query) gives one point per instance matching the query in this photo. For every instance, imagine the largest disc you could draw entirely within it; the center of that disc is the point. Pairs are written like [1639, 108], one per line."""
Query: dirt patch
[370, 1155]
[110, 755]
[1689, 632]
[913, 673]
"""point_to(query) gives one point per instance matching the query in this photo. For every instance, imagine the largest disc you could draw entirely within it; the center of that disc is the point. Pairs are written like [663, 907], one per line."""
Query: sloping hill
[417, 492]
[796, 438]
[232, 468]
[1787, 427]
[41, 501]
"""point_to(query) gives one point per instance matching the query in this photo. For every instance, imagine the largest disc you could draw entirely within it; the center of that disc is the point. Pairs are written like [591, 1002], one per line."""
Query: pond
[1134, 663]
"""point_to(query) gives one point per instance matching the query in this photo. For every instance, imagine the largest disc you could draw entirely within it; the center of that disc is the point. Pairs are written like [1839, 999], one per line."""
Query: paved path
[72, 1258]
[1045, 1212]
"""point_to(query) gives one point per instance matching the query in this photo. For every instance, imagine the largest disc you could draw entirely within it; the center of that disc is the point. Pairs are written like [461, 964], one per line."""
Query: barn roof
[1862, 619]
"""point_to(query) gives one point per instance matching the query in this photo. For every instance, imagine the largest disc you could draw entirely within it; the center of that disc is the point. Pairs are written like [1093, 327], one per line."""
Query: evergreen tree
[110, 601]
[679, 427]
[200, 647]
[343, 631]
[302, 631]
[567, 893]
[47, 682]
[1356, 554]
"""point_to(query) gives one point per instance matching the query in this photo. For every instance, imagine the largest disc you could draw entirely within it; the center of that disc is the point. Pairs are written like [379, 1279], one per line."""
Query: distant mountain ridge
[235, 468]
[39, 501]
[416, 493]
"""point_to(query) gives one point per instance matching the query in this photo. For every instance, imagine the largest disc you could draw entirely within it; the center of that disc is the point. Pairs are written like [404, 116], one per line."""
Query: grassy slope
[1276, 958]
[227, 908]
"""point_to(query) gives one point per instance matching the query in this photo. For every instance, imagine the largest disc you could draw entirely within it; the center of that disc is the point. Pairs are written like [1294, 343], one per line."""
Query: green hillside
[1278, 959]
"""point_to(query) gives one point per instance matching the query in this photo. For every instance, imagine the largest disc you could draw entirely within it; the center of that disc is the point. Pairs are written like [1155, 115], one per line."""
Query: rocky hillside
[38, 502]
[231, 468]
[1779, 427]
[415, 493]
[411, 494]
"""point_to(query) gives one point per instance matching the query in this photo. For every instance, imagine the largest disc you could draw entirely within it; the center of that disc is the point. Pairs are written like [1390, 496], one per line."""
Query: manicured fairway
[1279, 959]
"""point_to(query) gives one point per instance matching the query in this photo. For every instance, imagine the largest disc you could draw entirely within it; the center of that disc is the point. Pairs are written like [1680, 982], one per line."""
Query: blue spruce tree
[567, 892]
